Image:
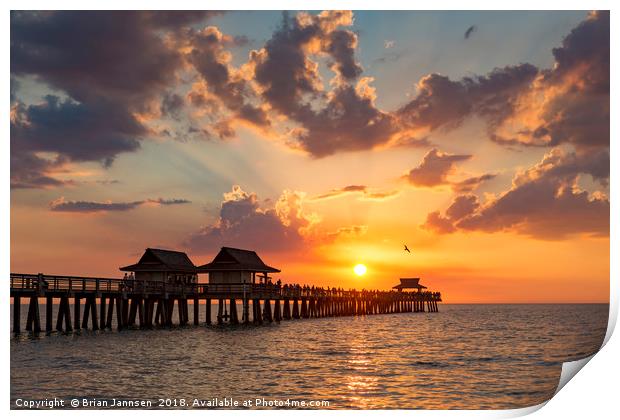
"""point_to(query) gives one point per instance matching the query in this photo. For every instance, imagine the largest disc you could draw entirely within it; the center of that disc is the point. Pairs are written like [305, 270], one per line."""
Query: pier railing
[43, 283]
[153, 302]
[35, 282]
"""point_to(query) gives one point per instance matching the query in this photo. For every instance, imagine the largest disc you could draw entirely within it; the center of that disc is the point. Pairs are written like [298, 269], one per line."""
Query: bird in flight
[470, 31]
[407, 249]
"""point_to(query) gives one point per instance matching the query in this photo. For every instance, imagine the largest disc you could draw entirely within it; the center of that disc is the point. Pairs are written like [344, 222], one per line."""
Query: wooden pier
[97, 302]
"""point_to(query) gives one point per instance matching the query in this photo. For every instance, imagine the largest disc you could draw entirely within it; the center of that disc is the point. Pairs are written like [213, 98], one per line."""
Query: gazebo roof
[409, 283]
[155, 259]
[234, 259]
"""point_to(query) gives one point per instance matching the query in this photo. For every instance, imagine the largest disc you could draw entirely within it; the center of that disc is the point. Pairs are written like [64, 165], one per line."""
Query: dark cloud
[349, 121]
[434, 168]
[212, 62]
[31, 171]
[521, 104]
[243, 223]
[343, 119]
[118, 74]
[341, 47]
[544, 202]
[470, 31]
[365, 192]
[13, 87]
[587, 46]
[283, 67]
[110, 64]
[168, 201]
[471, 184]
[78, 131]
[566, 105]
[524, 105]
[176, 19]
[117, 55]
[172, 104]
[569, 103]
[347, 232]
[62, 205]
[341, 191]
[437, 223]
[462, 206]
[442, 102]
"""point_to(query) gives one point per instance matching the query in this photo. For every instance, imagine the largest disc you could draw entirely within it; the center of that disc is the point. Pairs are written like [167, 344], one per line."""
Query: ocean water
[464, 357]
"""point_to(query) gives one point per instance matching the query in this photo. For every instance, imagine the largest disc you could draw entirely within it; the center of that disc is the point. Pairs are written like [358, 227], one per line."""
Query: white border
[591, 395]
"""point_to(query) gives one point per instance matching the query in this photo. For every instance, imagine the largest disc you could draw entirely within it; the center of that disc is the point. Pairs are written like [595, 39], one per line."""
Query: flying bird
[470, 31]
[407, 249]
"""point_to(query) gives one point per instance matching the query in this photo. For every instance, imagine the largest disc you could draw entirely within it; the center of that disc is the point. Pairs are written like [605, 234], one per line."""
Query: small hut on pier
[172, 267]
[237, 266]
[409, 283]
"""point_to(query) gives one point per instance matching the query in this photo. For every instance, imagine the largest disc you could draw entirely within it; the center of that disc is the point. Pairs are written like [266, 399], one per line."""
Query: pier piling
[148, 306]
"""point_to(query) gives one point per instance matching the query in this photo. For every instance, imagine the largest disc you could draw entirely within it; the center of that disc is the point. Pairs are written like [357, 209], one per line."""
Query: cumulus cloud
[284, 226]
[443, 103]
[569, 103]
[471, 184]
[544, 202]
[434, 168]
[342, 119]
[568, 106]
[176, 19]
[363, 191]
[106, 100]
[76, 131]
[172, 104]
[244, 223]
[222, 82]
[119, 54]
[437, 223]
[520, 103]
[28, 170]
[62, 205]
[462, 205]
[108, 76]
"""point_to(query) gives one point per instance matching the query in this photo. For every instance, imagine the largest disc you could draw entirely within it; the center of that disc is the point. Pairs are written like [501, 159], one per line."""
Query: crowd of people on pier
[298, 290]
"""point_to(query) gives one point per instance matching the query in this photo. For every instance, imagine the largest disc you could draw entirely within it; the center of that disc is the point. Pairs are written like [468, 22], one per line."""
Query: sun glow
[360, 269]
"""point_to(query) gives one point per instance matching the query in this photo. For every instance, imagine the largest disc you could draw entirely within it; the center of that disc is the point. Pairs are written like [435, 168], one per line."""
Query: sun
[360, 269]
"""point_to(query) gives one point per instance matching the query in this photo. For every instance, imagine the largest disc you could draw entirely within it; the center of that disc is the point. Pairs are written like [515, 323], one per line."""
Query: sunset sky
[321, 140]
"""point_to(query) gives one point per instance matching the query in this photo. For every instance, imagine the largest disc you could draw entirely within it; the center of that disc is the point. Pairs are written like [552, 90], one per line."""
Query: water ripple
[466, 356]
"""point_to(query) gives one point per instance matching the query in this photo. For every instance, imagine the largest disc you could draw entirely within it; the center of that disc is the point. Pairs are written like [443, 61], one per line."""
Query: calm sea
[465, 356]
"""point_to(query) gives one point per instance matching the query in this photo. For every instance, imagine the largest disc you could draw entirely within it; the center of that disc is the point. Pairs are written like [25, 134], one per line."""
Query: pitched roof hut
[233, 265]
[164, 265]
[409, 283]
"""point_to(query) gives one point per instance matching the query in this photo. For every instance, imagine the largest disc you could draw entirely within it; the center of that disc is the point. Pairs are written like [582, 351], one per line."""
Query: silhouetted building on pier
[166, 281]
[161, 265]
[237, 266]
[409, 283]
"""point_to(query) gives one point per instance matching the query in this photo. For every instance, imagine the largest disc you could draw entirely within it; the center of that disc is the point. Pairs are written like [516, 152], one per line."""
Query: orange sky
[495, 173]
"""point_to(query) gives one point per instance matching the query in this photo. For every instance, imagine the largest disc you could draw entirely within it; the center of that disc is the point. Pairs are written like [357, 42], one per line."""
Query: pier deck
[146, 304]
